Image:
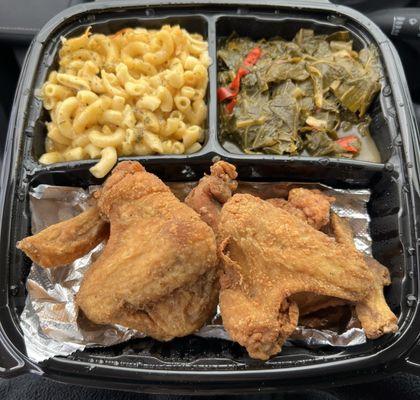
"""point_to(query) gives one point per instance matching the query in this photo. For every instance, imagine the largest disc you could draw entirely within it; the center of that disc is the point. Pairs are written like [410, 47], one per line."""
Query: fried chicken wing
[64, 242]
[374, 313]
[157, 271]
[285, 205]
[213, 190]
[313, 207]
[310, 205]
[268, 255]
[178, 314]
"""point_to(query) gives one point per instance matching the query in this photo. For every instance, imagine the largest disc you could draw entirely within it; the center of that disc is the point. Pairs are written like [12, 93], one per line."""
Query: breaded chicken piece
[157, 273]
[308, 204]
[212, 191]
[314, 204]
[285, 205]
[66, 241]
[180, 313]
[268, 255]
[313, 207]
[373, 313]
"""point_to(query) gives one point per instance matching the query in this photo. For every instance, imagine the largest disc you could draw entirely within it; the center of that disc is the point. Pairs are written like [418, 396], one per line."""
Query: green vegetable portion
[296, 96]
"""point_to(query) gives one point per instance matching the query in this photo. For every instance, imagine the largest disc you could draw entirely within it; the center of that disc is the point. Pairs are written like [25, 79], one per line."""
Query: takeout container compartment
[107, 25]
[286, 24]
[213, 28]
[195, 364]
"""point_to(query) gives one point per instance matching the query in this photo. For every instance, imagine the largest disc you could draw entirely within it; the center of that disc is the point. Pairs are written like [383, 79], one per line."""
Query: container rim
[409, 133]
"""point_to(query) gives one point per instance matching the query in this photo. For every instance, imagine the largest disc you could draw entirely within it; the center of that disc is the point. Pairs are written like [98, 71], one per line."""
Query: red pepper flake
[230, 92]
[253, 56]
[236, 83]
[349, 143]
[224, 93]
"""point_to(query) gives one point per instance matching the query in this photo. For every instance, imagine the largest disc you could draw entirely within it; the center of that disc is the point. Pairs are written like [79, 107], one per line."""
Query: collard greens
[299, 94]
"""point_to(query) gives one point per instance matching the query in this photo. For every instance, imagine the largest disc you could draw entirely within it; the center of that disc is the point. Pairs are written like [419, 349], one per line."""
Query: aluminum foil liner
[50, 320]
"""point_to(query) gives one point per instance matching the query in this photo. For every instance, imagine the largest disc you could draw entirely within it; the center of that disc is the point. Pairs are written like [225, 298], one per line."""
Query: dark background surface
[19, 22]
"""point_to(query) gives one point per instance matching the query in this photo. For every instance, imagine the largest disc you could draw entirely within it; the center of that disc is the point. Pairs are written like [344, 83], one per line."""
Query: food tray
[194, 364]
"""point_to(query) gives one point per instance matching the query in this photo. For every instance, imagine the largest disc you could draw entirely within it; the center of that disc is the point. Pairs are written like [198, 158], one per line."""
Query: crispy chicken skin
[178, 314]
[213, 190]
[313, 207]
[285, 205]
[373, 313]
[308, 204]
[64, 242]
[268, 255]
[157, 273]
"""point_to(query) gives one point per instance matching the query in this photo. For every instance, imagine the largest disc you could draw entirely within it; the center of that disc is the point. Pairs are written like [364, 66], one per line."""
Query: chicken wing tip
[221, 168]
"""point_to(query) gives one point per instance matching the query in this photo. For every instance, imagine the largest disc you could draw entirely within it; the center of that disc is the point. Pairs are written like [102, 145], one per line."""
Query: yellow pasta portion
[136, 92]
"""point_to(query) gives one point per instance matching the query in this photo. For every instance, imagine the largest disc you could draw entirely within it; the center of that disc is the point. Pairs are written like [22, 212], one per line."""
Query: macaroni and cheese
[137, 92]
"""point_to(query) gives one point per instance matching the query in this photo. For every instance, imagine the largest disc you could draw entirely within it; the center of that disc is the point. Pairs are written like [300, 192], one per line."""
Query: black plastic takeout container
[192, 364]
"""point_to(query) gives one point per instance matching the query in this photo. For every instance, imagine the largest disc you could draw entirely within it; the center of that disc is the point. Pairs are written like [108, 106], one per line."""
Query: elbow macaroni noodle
[137, 92]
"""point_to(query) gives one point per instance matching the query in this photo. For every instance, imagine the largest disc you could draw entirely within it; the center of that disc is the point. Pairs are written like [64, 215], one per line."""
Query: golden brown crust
[178, 314]
[314, 204]
[260, 326]
[373, 312]
[285, 205]
[64, 242]
[213, 190]
[313, 207]
[158, 249]
[309, 205]
[268, 255]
